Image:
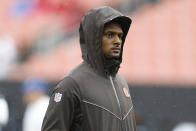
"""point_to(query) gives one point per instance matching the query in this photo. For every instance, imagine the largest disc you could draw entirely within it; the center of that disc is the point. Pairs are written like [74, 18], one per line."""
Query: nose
[117, 40]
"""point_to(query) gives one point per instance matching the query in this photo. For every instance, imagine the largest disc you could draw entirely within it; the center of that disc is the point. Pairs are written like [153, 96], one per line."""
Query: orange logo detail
[126, 91]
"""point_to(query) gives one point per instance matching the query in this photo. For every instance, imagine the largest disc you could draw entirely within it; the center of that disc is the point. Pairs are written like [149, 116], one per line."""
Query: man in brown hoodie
[93, 97]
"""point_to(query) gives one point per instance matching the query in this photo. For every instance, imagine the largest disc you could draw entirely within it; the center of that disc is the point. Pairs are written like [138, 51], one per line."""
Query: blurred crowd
[37, 37]
[40, 38]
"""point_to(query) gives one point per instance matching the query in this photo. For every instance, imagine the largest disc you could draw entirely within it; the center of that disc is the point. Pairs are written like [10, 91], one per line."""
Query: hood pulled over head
[91, 30]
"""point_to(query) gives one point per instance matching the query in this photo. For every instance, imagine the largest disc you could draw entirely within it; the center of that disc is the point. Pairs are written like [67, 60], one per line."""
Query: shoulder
[66, 84]
[66, 90]
[80, 71]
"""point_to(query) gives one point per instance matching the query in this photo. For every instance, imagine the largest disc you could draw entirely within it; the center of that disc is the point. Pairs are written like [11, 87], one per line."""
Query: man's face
[112, 40]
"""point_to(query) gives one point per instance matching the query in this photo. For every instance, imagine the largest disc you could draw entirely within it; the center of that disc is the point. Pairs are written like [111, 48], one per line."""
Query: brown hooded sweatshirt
[88, 98]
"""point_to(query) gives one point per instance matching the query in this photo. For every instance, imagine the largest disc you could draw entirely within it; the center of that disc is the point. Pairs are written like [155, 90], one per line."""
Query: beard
[111, 65]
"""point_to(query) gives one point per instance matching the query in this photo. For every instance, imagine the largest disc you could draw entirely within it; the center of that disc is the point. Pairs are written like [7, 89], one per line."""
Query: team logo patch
[57, 97]
[126, 91]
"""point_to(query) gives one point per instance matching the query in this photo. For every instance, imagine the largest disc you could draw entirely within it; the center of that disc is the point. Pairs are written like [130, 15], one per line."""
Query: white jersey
[186, 126]
[34, 114]
[4, 112]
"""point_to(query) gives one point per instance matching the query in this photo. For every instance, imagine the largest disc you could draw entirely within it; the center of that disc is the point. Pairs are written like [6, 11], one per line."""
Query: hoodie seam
[85, 101]
[128, 113]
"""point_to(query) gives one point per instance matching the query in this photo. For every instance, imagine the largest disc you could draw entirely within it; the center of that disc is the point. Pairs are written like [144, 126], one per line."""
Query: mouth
[116, 49]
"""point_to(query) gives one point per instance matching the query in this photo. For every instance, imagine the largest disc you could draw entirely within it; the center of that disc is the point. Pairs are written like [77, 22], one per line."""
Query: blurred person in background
[8, 55]
[4, 112]
[93, 97]
[185, 126]
[36, 99]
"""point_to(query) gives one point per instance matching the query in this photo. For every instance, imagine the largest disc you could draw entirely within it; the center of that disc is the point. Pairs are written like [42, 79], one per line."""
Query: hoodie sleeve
[64, 112]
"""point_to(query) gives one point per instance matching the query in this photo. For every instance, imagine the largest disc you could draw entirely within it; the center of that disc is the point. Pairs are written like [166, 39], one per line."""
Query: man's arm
[64, 107]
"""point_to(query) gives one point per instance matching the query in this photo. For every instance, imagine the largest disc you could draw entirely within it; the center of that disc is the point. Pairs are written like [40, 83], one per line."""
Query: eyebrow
[113, 31]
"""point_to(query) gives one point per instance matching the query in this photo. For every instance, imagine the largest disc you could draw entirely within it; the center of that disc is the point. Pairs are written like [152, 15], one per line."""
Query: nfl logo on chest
[57, 97]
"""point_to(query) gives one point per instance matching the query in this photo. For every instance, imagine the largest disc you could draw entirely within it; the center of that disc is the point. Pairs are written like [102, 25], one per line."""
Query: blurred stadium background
[39, 38]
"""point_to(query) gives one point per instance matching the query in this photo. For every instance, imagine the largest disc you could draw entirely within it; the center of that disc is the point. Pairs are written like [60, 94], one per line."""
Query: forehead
[113, 27]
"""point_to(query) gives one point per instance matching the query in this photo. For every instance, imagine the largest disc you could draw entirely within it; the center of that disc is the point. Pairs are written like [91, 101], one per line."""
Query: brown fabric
[87, 99]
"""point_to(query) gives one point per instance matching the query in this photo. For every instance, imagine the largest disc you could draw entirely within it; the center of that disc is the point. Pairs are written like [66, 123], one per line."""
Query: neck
[111, 66]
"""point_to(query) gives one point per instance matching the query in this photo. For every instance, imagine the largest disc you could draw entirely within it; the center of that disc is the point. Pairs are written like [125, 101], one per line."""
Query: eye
[109, 35]
[120, 36]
